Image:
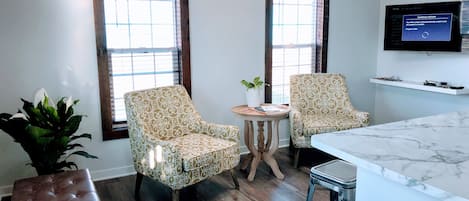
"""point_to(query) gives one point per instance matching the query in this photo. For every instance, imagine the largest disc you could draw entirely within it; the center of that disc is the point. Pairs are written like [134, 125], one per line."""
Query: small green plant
[46, 132]
[256, 83]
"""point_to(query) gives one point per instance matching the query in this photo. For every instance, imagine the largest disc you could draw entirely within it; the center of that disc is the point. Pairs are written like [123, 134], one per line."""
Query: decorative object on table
[320, 103]
[253, 91]
[271, 108]
[171, 143]
[46, 132]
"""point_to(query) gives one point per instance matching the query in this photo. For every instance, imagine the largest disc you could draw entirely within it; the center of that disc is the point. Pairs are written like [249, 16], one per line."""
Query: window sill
[116, 133]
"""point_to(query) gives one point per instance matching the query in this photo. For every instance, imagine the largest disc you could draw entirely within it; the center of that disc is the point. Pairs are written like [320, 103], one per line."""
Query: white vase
[253, 97]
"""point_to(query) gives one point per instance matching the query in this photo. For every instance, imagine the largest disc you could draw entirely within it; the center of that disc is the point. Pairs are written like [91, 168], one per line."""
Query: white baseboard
[282, 143]
[5, 190]
[111, 173]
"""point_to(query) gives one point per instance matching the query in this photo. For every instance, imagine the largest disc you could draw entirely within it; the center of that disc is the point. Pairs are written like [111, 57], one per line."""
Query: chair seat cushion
[199, 150]
[314, 124]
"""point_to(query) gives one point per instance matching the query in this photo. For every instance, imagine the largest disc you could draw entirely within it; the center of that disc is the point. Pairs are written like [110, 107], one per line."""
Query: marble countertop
[429, 154]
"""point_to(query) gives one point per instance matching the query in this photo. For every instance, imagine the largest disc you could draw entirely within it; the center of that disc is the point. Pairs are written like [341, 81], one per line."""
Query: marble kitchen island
[418, 159]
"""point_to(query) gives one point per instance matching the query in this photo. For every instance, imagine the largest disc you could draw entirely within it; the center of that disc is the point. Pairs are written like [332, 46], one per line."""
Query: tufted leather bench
[65, 186]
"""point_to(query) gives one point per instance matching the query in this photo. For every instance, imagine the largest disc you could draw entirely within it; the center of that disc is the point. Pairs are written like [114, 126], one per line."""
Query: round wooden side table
[265, 149]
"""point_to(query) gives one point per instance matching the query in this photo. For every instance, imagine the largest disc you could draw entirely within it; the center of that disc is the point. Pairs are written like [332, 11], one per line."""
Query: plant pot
[253, 97]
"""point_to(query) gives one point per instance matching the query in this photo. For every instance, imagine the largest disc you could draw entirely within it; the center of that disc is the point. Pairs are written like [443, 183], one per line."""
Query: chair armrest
[226, 132]
[363, 117]
[155, 157]
[296, 123]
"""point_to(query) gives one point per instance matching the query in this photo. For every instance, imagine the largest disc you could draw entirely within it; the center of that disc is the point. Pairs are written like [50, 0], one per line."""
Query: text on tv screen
[427, 27]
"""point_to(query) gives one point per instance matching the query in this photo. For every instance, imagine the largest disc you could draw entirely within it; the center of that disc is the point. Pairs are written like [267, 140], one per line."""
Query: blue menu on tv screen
[427, 27]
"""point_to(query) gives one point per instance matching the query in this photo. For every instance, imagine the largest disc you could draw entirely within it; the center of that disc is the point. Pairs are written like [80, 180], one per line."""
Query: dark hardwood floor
[265, 186]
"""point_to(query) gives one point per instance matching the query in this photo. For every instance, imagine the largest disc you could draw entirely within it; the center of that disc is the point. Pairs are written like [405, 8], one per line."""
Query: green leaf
[16, 127]
[52, 115]
[27, 104]
[257, 79]
[72, 125]
[28, 107]
[257, 82]
[69, 112]
[84, 135]
[246, 83]
[42, 136]
[61, 109]
[4, 117]
[73, 146]
[82, 153]
[63, 141]
[35, 115]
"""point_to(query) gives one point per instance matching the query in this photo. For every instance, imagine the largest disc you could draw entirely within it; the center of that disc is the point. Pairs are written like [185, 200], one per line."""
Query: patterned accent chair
[320, 103]
[171, 143]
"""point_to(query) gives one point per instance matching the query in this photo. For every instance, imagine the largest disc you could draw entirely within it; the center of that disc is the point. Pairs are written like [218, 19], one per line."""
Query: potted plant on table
[46, 132]
[253, 91]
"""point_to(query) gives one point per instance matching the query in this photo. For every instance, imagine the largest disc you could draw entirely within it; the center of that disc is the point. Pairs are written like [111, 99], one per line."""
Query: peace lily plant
[46, 131]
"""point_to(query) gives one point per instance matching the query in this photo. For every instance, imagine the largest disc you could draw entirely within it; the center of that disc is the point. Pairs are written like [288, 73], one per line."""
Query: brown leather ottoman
[65, 186]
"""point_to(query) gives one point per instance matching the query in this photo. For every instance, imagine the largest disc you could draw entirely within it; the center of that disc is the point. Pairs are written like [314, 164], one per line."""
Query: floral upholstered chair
[320, 103]
[171, 143]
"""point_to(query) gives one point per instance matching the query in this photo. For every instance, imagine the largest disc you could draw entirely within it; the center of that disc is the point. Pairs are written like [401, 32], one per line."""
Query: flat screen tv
[423, 27]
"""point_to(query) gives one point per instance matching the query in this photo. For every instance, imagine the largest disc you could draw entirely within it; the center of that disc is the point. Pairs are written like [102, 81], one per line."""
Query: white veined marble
[429, 154]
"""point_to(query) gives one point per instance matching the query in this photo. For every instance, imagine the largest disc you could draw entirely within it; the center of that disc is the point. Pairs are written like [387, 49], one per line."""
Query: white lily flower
[39, 97]
[68, 103]
[18, 115]
[51, 102]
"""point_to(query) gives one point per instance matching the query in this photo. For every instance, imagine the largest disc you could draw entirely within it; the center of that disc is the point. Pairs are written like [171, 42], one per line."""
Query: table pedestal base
[264, 150]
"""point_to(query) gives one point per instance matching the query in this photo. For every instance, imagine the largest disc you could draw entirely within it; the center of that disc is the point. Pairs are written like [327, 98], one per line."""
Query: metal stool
[338, 176]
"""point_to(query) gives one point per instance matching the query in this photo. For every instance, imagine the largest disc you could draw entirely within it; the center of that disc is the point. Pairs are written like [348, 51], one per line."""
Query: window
[141, 44]
[296, 43]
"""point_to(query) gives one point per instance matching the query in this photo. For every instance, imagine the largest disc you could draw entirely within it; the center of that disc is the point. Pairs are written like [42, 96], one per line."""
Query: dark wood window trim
[321, 64]
[268, 50]
[117, 130]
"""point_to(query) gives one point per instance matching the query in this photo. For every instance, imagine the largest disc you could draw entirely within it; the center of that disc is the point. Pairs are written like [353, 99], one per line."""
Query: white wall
[394, 104]
[51, 44]
[353, 38]
[227, 46]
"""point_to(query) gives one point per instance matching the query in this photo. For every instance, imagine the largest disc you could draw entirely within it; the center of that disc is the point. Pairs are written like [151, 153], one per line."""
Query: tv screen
[423, 27]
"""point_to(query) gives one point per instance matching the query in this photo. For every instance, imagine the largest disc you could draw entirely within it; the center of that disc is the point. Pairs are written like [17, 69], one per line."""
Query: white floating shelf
[420, 86]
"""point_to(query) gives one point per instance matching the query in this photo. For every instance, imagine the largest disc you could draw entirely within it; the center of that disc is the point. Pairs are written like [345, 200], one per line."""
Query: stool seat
[338, 171]
[338, 176]
[63, 186]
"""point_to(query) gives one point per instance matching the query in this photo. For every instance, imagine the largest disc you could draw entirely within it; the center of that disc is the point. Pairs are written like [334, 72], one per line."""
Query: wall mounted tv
[423, 27]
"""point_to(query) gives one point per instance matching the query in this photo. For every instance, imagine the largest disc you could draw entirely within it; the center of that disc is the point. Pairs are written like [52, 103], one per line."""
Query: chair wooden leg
[138, 183]
[235, 179]
[175, 195]
[296, 157]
